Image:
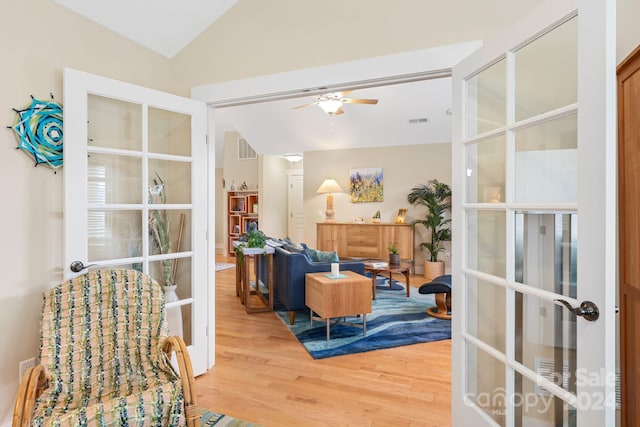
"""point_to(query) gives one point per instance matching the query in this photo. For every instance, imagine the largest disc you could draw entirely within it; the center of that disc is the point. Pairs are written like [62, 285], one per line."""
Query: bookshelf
[242, 211]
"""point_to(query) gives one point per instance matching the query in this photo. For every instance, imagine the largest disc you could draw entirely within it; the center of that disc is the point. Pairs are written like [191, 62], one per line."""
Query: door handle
[78, 266]
[587, 309]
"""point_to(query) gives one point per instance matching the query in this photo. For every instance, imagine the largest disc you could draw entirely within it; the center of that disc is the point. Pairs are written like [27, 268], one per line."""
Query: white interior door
[136, 192]
[534, 222]
[296, 208]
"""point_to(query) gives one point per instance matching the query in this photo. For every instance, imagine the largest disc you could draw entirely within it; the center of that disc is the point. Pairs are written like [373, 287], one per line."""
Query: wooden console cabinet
[365, 240]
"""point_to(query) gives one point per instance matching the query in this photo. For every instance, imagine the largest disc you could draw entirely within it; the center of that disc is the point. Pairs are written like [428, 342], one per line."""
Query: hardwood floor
[262, 374]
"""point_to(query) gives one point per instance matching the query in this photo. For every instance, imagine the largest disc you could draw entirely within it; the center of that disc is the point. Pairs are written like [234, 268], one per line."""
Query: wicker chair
[105, 358]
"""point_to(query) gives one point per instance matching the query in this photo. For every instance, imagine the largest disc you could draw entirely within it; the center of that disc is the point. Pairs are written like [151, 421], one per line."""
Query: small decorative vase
[394, 259]
[174, 314]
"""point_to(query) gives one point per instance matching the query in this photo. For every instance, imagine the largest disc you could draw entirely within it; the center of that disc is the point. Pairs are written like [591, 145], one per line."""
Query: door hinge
[206, 330]
[206, 138]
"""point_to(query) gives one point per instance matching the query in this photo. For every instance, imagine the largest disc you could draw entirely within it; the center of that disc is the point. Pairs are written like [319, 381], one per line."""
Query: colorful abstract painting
[366, 185]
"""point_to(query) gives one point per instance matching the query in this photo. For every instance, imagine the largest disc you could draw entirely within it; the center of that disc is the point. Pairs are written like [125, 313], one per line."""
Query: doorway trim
[399, 68]
[405, 67]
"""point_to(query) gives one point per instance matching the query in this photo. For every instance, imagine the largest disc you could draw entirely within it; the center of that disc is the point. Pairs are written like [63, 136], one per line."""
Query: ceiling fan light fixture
[293, 157]
[330, 106]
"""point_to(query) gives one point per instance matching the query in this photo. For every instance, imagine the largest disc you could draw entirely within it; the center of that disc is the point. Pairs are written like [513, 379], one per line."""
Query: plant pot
[174, 314]
[394, 259]
[433, 269]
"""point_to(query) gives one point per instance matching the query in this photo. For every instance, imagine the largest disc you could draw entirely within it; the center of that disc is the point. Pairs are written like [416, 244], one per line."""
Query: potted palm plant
[435, 196]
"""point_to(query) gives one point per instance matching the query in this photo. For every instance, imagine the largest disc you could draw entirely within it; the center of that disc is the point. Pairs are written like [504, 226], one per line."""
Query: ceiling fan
[331, 103]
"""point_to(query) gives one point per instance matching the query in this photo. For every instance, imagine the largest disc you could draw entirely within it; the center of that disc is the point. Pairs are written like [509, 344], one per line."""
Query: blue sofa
[289, 275]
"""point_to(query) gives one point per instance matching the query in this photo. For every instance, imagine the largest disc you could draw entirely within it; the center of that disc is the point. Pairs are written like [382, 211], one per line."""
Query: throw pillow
[296, 247]
[322, 256]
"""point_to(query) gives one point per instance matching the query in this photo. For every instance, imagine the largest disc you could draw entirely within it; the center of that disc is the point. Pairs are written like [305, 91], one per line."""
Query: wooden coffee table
[402, 268]
[331, 298]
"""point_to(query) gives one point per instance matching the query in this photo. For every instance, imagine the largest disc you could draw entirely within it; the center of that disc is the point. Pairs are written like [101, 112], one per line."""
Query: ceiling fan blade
[359, 101]
[342, 94]
[304, 105]
[339, 111]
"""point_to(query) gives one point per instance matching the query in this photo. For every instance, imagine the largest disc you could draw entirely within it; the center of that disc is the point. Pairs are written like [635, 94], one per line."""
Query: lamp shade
[329, 186]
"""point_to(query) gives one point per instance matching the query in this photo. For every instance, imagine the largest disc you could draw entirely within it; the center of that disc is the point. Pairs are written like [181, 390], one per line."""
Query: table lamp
[329, 186]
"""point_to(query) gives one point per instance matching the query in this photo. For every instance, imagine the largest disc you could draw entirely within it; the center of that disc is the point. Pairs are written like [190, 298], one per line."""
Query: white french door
[534, 184]
[136, 192]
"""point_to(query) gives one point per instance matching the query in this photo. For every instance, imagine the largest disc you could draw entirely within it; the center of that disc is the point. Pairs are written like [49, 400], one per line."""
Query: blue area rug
[210, 418]
[383, 283]
[223, 266]
[395, 321]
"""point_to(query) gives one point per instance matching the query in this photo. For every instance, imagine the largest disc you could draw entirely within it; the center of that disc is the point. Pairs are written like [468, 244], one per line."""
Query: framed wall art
[365, 185]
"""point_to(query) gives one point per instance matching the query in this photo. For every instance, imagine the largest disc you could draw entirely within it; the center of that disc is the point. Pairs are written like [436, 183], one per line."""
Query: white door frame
[399, 68]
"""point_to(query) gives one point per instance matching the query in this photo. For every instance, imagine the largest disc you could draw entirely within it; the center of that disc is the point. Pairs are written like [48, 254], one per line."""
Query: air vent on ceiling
[245, 151]
[418, 120]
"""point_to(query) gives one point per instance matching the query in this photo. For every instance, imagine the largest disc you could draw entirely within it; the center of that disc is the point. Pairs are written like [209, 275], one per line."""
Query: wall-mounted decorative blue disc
[38, 128]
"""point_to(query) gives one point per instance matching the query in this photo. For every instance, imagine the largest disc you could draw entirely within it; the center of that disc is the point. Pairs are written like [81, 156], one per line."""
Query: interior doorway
[425, 64]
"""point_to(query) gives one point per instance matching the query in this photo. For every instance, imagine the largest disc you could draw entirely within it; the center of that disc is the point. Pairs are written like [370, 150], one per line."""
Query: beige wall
[273, 195]
[403, 167]
[270, 42]
[220, 211]
[234, 173]
[40, 38]
[299, 165]
[238, 171]
[628, 30]
[258, 37]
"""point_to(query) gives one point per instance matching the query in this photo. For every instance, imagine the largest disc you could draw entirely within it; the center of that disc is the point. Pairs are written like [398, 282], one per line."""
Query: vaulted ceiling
[411, 113]
[166, 26]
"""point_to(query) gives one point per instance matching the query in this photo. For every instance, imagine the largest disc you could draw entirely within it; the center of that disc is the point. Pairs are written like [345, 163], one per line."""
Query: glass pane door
[524, 158]
[132, 199]
[139, 197]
